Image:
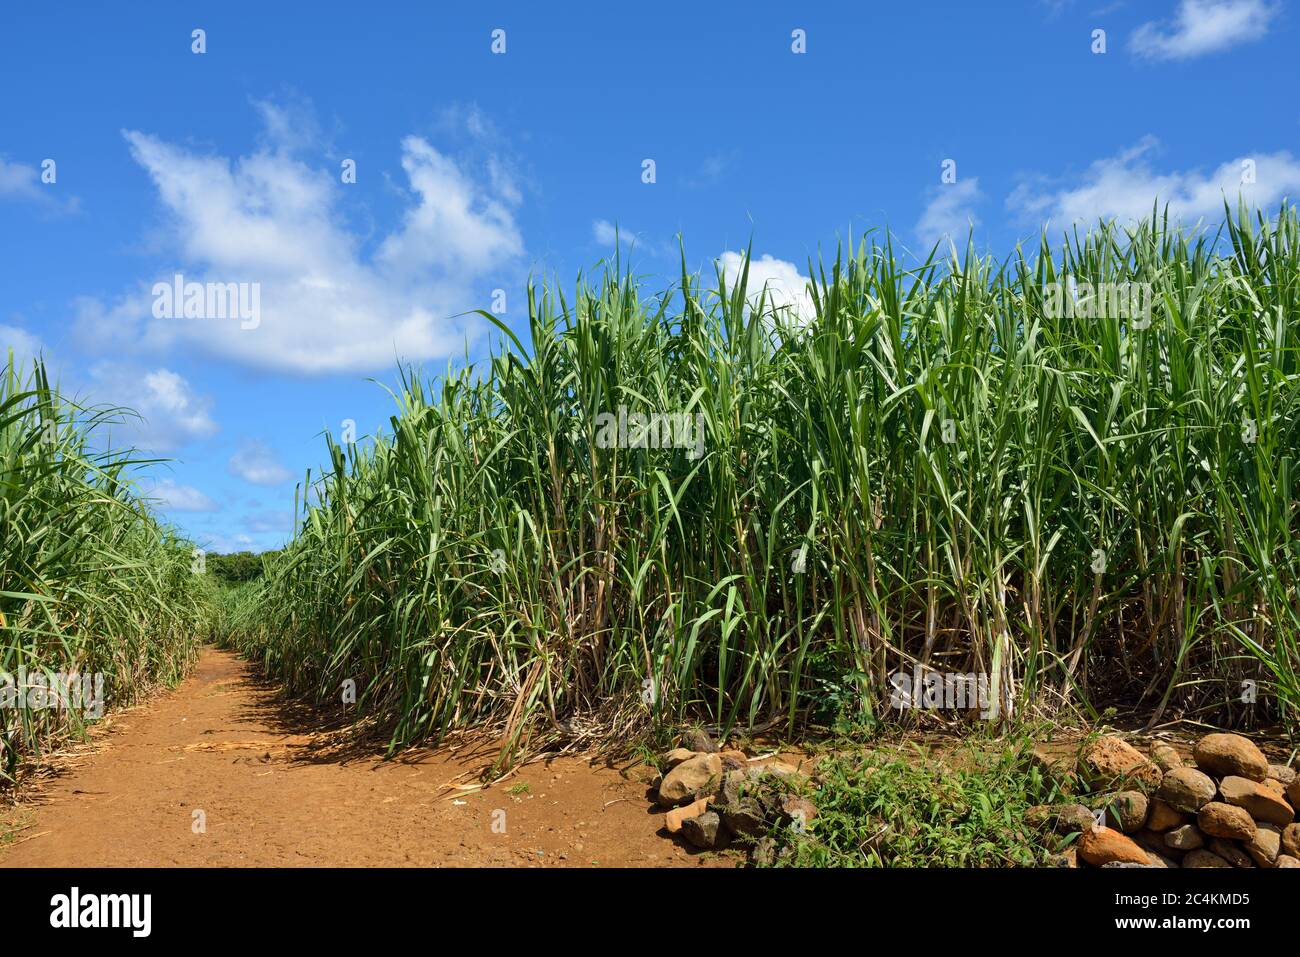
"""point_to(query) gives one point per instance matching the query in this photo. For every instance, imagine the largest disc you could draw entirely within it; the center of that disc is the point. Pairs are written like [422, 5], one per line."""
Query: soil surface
[273, 791]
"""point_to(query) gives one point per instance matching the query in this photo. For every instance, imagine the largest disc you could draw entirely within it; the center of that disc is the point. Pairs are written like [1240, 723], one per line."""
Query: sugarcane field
[440, 445]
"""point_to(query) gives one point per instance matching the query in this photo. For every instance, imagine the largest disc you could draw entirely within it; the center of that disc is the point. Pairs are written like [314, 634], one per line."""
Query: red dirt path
[226, 743]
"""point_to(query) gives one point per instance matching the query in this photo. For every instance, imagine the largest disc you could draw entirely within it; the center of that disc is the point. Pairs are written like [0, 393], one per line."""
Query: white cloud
[173, 497]
[950, 213]
[219, 544]
[458, 227]
[25, 345]
[270, 218]
[289, 125]
[170, 413]
[1125, 187]
[270, 522]
[785, 287]
[711, 170]
[158, 410]
[605, 233]
[1204, 26]
[255, 462]
[20, 181]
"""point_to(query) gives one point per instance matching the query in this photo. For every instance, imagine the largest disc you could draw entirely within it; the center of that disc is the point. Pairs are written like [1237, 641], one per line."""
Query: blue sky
[475, 169]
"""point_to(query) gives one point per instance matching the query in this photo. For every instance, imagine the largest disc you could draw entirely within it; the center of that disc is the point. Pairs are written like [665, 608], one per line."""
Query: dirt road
[225, 751]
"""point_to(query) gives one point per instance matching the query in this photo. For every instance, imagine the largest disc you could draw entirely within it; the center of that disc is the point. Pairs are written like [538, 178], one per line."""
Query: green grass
[965, 809]
[90, 581]
[487, 562]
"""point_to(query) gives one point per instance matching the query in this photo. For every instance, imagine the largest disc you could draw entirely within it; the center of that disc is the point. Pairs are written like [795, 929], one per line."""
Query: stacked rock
[718, 796]
[1228, 808]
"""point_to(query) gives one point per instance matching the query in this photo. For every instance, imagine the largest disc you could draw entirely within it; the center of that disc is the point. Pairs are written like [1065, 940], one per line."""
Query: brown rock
[1108, 762]
[703, 831]
[745, 819]
[1286, 860]
[1262, 803]
[734, 760]
[1166, 758]
[1186, 790]
[1225, 754]
[676, 756]
[1061, 818]
[1293, 793]
[1185, 838]
[1163, 817]
[1126, 810]
[1264, 846]
[1291, 840]
[797, 810]
[734, 784]
[1159, 860]
[1100, 846]
[1073, 819]
[1230, 852]
[697, 775]
[1204, 859]
[1277, 787]
[699, 742]
[1055, 767]
[1281, 773]
[779, 768]
[1225, 820]
[674, 818]
[1066, 858]
[1150, 840]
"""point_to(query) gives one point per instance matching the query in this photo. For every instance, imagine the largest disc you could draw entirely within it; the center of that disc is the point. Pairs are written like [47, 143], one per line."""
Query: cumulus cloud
[273, 221]
[785, 287]
[159, 410]
[255, 462]
[169, 413]
[173, 497]
[949, 215]
[1125, 186]
[1204, 26]
[25, 345]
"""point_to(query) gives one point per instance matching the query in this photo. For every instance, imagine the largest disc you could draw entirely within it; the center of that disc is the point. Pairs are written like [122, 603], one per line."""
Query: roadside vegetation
[966, 808]
[91, 582]
[965, 466]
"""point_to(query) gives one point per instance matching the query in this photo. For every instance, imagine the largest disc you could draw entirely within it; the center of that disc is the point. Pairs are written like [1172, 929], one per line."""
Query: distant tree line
[237, 567]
